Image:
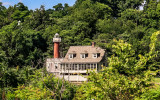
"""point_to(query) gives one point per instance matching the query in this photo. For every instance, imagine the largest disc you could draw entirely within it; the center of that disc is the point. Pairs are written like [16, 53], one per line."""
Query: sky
[33, 4]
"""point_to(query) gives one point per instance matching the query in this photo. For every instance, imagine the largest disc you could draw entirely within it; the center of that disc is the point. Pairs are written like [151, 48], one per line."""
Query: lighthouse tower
[56, 41]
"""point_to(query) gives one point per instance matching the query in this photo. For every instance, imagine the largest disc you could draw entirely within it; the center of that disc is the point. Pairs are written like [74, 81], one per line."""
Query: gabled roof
[78, 50]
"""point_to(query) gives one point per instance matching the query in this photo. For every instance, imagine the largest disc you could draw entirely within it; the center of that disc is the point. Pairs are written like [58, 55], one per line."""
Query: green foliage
[124, 59]
[119, 6]
[28, 83]
[42, 85]
[11, 77]
[21, 46]
[111, 85]
[20, 12]
[125, 77]
[2, 15]
[60, 10]
[60, 88]
[32, 93]
[118, 26]
[150, 18]
[152, 94]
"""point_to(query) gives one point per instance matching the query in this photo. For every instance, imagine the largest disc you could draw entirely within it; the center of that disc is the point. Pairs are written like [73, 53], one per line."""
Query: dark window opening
[86, 55]
[56, 67]
[98, 55]
[74, 55]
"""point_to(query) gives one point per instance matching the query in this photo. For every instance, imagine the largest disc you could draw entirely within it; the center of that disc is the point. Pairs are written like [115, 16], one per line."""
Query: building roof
[54, 59]
[89, 50]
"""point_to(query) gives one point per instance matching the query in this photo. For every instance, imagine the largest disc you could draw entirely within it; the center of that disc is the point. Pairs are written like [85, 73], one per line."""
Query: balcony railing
[56, 39]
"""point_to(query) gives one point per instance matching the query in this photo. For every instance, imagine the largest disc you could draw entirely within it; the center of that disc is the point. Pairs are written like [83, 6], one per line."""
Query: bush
[111, 85]
[152, 94]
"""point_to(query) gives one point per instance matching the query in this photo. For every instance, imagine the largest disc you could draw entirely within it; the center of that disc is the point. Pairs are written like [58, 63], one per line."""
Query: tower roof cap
[56, 35]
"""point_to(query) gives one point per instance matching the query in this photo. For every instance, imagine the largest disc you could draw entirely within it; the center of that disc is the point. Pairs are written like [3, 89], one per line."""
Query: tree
[150, 17]
[125, 78]
[42, 85]
[152, 94]
[60, 11]
[20, 12]
[2, 15]
[20, 46]
[117, 6]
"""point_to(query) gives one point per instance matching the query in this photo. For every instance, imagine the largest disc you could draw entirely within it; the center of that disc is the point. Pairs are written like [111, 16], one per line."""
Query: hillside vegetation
[130, 36]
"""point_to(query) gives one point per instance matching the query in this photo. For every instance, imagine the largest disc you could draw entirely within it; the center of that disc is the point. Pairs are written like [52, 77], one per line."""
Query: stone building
[78, 61]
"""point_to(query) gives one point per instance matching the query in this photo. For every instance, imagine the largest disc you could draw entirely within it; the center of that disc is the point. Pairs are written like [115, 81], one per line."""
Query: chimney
[56, 41]
[93, 44]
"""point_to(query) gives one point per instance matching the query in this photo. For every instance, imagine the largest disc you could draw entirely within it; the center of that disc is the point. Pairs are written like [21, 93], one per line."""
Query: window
[88, 66]
[70, 56]
[98, 55]
[75, 67]
[67, 68]
[83, 55]
[92, 66]
[56, 65]
[61, 67]
[70, 67]
[48, 65]
[80, 67]
[94, 55]
[83, 66]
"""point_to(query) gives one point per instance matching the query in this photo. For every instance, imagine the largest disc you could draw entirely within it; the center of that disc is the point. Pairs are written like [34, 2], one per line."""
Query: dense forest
[129, 35]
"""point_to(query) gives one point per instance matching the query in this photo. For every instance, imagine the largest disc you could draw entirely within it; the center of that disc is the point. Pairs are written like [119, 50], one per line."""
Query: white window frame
[83, 55]
[70, 56]
[48, 65]
[56, 65]
[94, 55]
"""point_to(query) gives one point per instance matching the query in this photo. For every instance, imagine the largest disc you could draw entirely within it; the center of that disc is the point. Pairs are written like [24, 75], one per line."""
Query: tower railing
[56, 39]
